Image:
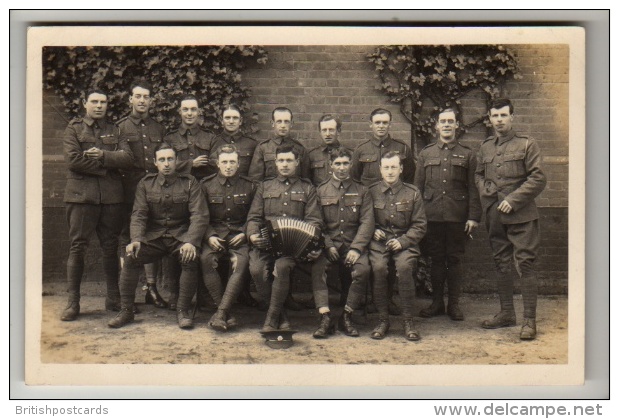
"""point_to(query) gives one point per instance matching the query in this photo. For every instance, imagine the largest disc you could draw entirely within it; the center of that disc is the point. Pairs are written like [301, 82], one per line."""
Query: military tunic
[349, 225]
[228, 200]
[366, 160]
[244, 145]
[189, 144]
[399, 213]
[263, 163]
[320, 164]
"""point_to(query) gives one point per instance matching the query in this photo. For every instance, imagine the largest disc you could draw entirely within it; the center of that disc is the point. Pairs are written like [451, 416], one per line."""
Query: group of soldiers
[204, 198]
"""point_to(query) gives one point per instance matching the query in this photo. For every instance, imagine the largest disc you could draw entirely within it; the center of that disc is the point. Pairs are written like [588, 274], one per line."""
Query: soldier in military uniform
[349, 225]
[93, 196]
[143, 134]
[330, 128]
[446, 178]
[231, 121]
[400, 226]
[193, 143]
[509, 176]
[286, 195]
[170, 217]
[229, 196]
[263, 163]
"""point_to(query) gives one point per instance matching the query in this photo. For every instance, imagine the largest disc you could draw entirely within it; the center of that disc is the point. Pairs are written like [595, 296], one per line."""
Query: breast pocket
[241, 199]
[298, 200]
[459, 169]
[329, 207]
[110, 142]
[513, 164]
[153, 197]
[269, 157]
[432, 168]
[272, 204]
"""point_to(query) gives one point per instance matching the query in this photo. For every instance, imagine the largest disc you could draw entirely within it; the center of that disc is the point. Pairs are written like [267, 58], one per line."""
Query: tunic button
[145, 147]
[445, 159]
[341, 221]
[341, 209]
[285, 193]
[189, 143]
[167, 195]
[227, 186]
[444, 170]
[391, 216]
[284, 214]
[341, 232]
[285, 203]
[228, 209]
[444, 192]
[498, 177]
[498, 154]
[144, 135]
[167, 218]
[146, 158]
[228, 197]
[191, 154]
[444, 181]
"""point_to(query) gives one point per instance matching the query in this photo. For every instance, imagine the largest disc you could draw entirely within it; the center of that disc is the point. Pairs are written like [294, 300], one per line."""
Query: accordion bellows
[291, 237]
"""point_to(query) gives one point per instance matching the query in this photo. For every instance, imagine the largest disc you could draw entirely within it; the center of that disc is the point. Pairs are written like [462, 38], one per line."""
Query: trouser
[283, 266]
[209, 262]
[359, 272]
[154, 250]
[444, 242]
[514, 241]
[261, 269]
[84, 220]
[405, 262]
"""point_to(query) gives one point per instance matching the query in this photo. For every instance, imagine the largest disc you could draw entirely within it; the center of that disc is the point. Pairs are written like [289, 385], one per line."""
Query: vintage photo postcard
[439, 172]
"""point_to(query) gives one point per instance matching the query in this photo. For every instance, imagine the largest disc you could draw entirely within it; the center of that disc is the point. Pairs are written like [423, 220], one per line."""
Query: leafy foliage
[439, 76]
[212, 73]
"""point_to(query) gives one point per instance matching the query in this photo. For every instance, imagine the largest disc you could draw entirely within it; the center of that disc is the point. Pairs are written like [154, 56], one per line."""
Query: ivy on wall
[212, 73]
[426, 78]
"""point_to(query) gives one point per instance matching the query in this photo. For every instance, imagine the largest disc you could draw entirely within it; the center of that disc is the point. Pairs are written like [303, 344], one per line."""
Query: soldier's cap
[278, 339]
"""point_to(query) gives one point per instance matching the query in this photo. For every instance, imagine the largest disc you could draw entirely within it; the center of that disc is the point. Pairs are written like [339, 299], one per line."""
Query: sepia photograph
[305, 206]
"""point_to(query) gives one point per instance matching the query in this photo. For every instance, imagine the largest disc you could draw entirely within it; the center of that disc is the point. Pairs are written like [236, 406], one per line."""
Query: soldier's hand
[379, 235]
[470, 226]
[313, 255]
[258, 241]
[200, 161]
[93, 153]
[393, 245]
[237, 240]
[133, 249]
[188, 252]
[504, 207]
[332, 254]
[351, 257]
[216, 244]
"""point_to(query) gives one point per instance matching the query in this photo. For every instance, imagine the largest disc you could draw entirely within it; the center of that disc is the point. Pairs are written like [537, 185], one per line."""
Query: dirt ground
[154, 338]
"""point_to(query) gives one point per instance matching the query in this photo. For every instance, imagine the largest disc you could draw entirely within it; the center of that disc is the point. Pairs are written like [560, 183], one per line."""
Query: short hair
[447, 110]
[330, 117]
[280, 109]
[500, 103]
[391, 154]
[287, 148]
[163, 146]
[380, 111]
[226, 148]
[141, 83]
[340, 152]
[188, 96]
[92, 90]
[231, 107]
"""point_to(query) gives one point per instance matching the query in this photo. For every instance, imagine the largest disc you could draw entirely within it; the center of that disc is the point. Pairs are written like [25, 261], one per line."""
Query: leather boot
[184, 319]
[231, 321]
[74, 281]
[502, 319]
[345, 324]
[173, 300]
[71, 312]
[325, 328]
[218, 321]
[110, 271]
[381, 330]
[435, 309]
[271, 323]
[507, 316]
[438, 288]
[529, 329]
[112, 304]
[409, 331]
[124, 316]
[454, 285]
[152, 297]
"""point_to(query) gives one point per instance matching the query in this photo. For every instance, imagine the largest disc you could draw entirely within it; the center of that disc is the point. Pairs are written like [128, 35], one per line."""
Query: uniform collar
[336, 182]
[89, 121]
[170, 179]
[289, 179]
[136, 119]
[279, 140]
[222, 179]
[500, 140]
[184, 128]
[230, 137]
[395, 187]
[441, 144]
[327, 148]
[377, 142]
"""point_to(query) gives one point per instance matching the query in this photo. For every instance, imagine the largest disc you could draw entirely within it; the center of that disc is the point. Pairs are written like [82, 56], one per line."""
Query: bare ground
[154, 338]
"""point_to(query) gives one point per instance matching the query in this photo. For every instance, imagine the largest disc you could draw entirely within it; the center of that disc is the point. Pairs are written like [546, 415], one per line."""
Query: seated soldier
[229, 197]
[349, 225]
[400, 226]
[288, 196]
[170, 216]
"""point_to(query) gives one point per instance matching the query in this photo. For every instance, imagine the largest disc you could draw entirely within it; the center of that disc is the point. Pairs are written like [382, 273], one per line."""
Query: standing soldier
[263, 163]
[231, 121]
[509, 177]
[320, 162]
[143, 134]
[446, 178]
[169, 217]
[400, 226]
[229, 196]
[93, 196]
[286, 195]
[193, 144]
[349, 226]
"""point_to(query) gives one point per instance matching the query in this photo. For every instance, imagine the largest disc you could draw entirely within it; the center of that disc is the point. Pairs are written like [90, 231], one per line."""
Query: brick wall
[312, 80]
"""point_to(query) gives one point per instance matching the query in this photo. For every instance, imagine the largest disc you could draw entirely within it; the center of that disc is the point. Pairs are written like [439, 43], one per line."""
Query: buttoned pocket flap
[428, 194]
[153, 197]
[131, 137]
[519, 155]
[368, 158]
[460, 163]
[352, 200]
[245, 153]
[487, 159]
[216, 199]
[74, 175]
[316, 164]
[298, 196]
[458, 195]
[179, 146]
[180, 198]
[431, 162]
[204, 143]
[328, 200]
[404, 206]
[379, 204]
[269, 195]
[269, 156]
[109, 139]
[240, 199]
